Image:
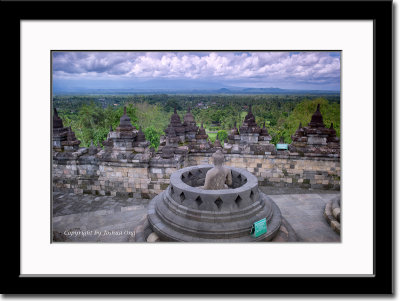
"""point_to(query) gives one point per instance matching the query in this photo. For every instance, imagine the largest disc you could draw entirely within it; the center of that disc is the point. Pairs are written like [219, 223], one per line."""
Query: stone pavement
[270, 190]
[70, 203]
[304, 212]
[89, 218]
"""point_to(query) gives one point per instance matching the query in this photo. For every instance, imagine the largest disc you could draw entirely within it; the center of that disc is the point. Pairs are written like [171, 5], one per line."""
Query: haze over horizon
[184, 71]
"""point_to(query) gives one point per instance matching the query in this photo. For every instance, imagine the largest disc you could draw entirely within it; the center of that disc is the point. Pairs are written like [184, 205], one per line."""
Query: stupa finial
[57, 121]
[316, 118]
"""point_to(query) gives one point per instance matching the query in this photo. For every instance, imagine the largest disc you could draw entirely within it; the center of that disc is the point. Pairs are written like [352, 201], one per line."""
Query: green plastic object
[281, 146]
[259, 228]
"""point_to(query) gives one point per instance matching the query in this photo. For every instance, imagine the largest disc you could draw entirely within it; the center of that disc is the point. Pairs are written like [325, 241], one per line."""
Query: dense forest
[91, 116]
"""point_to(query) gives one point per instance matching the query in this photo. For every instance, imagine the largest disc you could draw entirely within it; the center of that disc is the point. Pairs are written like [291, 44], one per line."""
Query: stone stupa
[191, 210]
[315, 139]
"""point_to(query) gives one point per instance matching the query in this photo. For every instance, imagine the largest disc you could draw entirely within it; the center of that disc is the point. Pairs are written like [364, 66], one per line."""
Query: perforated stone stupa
[186, 211]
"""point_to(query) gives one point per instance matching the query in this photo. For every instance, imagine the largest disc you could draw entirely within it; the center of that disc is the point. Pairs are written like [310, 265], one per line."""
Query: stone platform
[88, 218]
[305, 213]
[301, 209]
[188, 212]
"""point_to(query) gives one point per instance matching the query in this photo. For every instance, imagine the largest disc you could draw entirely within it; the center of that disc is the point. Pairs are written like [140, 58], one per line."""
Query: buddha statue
[218, 177]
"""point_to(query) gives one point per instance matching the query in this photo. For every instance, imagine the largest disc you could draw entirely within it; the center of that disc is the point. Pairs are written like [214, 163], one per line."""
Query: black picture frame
[378, 11]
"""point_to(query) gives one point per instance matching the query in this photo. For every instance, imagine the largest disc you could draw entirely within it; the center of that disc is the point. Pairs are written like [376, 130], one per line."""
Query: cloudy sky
[191, 70]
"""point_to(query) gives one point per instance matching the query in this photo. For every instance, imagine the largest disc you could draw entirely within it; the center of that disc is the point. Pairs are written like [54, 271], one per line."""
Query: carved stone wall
[283, 170]
[90, 175]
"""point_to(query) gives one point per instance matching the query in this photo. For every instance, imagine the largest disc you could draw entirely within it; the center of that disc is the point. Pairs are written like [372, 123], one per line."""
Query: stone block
[163, 186]
[153, 237]
[274, 179]
[156, 170]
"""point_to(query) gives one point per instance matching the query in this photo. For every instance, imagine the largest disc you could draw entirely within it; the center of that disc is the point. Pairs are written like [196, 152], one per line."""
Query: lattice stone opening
[182, 196]
[238, 180]
[252, 195]
[238, 201]
[218, 202]
[198, 201]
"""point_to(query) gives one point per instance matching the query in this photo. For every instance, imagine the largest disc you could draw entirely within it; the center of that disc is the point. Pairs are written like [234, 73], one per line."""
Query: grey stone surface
[98, 226]
[153, 237]
[304, 212]
[194, 214]
[301, 209]
[70, 203]
[272, 190]
[88, 218]
[286, 233]
[332, 214]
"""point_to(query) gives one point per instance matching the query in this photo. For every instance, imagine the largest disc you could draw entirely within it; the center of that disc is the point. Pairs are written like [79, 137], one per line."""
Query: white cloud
[302, 66]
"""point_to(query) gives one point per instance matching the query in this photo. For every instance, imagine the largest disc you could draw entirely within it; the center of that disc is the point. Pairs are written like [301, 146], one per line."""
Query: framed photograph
[183, 152]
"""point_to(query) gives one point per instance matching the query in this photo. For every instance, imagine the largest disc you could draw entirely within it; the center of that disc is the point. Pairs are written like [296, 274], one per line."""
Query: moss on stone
[164, 186]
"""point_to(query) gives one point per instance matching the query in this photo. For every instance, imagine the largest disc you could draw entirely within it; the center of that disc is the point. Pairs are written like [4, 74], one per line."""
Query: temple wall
[159, 173]
[123, 179]
[90, 175]
[283, 170]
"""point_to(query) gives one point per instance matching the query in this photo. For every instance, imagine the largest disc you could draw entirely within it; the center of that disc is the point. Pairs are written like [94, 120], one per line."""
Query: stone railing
[147, 176]
[284, 169]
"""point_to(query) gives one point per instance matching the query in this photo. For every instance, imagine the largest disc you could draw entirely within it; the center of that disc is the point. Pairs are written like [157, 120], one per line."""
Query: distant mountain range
[234, 90]
[272, 91]
[166, 86]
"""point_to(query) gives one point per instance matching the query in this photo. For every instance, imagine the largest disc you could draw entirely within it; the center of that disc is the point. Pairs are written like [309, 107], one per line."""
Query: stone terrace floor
[88, 218]
[303, 209]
